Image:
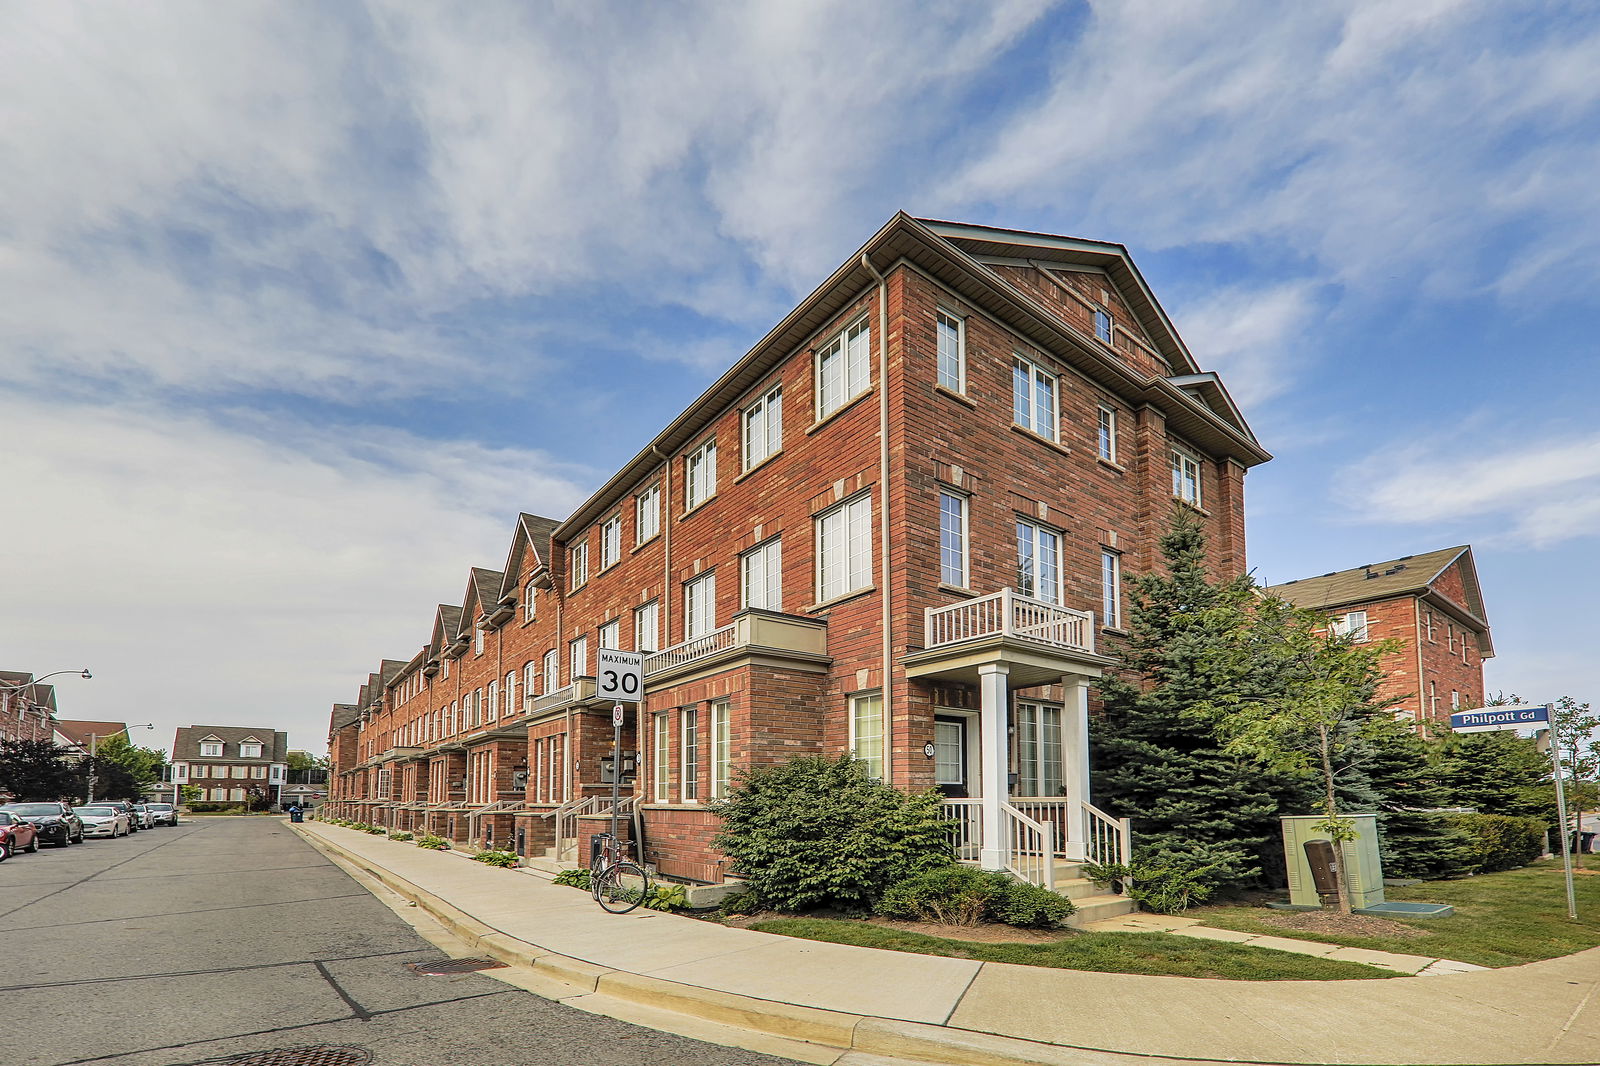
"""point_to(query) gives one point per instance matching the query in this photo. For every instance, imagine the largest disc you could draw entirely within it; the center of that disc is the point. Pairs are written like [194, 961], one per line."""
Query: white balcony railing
[720, 639]
[1008, 613]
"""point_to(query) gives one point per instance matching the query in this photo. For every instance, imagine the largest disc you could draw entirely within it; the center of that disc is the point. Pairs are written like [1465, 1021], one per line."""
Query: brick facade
[764, 684]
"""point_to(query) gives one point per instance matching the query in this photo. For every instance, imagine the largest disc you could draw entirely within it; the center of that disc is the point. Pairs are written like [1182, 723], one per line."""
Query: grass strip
[1502, 919]
[1143, 953]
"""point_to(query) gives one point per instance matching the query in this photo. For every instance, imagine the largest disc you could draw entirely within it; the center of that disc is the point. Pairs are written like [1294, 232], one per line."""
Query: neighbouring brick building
[897, 526]
[1430, 603]
[27, 708]
[228, 763]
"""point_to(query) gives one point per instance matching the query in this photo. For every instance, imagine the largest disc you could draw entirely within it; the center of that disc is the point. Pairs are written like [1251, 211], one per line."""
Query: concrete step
[543, 864]
[1076, 888]
[1095, 908]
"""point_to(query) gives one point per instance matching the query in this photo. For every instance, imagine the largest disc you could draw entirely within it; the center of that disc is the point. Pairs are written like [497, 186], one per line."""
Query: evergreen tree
[1154, 762]
[1497, 773]
[38, 770]
[1416, 841]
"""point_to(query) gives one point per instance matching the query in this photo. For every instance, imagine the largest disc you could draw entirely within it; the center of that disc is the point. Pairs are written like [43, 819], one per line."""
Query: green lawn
[1501, 919]
[1144, 953]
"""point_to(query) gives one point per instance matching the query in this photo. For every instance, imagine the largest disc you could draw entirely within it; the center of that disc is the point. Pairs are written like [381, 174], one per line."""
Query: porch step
[1096, 908]
[1076, 888]
[543, 864]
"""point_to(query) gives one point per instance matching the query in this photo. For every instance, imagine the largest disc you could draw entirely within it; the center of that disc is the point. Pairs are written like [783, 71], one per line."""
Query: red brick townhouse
[1432, 604]
[27, 708]
[897, 526]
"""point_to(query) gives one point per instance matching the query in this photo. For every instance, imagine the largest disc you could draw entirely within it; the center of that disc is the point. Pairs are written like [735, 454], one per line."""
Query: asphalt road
[231, 940]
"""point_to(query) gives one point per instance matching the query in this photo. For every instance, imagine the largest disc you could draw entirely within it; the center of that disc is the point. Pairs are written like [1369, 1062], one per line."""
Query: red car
[16, 833]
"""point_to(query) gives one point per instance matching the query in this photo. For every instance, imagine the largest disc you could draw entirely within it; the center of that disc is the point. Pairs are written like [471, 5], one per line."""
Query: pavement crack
[361, 1013]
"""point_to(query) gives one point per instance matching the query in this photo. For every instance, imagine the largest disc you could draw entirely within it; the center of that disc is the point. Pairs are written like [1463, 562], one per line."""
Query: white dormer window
[249, 750]
[211, 749]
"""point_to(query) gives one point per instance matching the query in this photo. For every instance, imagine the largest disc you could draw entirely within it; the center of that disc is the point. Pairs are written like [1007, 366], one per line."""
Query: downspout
[1424, 711]
[640, 787]
[883, 534]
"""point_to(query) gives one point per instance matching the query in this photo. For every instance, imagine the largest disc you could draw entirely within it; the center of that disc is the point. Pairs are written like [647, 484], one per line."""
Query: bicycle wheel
[616, 896]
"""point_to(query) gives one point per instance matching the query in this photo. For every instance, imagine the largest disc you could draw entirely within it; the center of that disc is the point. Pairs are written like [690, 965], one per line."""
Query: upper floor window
[1110, 589]
[610, 541]
[1186, 476]
[1352, 625]
[647, 627]
[1427, 622]
[647, 514]
[763, 427]
[552, 671]
[952, 345]
[953, 539]
[211, 749]
[762, 571]
[1102, 324]
[444, 667]
[477, 641]
[530, 602]
[700, 605]
[844, 548]
[530, 680]
[579, 557]
[249, 750]
[493, 701]
[1107, 437]
[843, 369]
[580, 657]
[611, 635]
[1038, 562]
[700, 475]
[1033, 398]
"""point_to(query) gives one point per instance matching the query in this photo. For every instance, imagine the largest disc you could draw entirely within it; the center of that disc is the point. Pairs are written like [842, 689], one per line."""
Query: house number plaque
[927, 749]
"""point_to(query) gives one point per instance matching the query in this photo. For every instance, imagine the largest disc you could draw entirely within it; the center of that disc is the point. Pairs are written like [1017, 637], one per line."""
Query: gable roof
[446, 624]
[343, 714]
[1409, 575]
[534, 533]
[77, 733]
[186, 743]
[483, 589]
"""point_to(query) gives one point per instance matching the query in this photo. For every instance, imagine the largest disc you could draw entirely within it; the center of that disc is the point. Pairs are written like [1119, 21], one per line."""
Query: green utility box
[1363, 875]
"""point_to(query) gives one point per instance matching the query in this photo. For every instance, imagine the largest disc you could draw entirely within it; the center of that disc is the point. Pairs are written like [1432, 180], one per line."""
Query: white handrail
[1011, 614]
[1110, 839]
[719, 639]
[966, 838]
[1030, 851]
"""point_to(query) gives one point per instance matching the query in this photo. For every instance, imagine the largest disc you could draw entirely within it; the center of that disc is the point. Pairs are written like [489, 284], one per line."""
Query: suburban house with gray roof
[230, 763]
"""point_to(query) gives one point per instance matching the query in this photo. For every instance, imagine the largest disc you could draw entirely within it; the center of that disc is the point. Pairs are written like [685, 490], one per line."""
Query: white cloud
[1536, 493]
[250, 574]
[1252, 337]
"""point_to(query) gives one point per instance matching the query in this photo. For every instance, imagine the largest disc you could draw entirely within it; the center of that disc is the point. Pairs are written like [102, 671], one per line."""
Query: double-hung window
[1033, 397]
[530, 680]
[611, 541]
[580, 565]
[690, 775]
[866, 731]
[952, 351]
[580, 657]
[211, 748]
[477, 640]
[844, 548]
[510, 706]
[721, 756]
[1352, 625]
[530, 602]
[763, 427]
[1110, 589]
[1038, 742]
[1107, 434]
[843, 369]
[953, 539]
[552, 671]
[700, 475]
[611, 635]
[1038, 562]
[761, 569]
[494, 701]
[661, 759]
[249, 751]
[700, 605]
[647, 514]
[1186, 476]
[1102, 325]
[647, 627]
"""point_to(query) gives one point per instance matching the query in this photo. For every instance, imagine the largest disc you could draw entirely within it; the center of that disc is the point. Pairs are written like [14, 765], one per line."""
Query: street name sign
[620, 675]
[1512, 716]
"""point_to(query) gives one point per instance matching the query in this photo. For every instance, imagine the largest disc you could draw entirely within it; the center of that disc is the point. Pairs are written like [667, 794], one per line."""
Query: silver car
[104, 821]
[163, 813]
[141, 812]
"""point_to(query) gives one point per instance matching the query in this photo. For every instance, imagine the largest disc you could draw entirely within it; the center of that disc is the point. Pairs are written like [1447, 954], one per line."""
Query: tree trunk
[1331, 809]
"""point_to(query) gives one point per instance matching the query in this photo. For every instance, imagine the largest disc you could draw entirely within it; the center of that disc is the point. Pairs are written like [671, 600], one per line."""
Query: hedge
[1501, 841]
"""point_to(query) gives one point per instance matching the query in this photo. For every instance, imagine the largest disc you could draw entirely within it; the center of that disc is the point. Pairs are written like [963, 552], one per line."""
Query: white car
[103, 822]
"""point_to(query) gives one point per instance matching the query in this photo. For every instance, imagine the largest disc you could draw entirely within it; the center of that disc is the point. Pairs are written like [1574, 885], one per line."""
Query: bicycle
[606, 878]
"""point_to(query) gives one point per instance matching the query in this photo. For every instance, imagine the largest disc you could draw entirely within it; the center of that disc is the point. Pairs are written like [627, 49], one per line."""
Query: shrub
[400, 836]
[1501, 841]
[433, 843]
[964, 895]
[818, 832]
[375, 830]
[741, 902]
[1426, 845]
[667, 898]
[1163, 887]
[503, 859]
[576, 878]
[216, 808]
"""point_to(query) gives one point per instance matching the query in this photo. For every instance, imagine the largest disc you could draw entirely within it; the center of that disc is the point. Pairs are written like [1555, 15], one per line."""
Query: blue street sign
[1485, 719]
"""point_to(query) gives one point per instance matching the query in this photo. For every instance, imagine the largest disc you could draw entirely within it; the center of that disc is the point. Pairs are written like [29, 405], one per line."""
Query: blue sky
[303, 302]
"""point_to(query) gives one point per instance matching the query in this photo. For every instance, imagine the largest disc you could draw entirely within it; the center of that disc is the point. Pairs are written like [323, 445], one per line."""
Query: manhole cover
[310, 1055]
[448, 966]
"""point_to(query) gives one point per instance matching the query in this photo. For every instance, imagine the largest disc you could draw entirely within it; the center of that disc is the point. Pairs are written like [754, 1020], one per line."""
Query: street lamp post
[13, 686]
[94, 746]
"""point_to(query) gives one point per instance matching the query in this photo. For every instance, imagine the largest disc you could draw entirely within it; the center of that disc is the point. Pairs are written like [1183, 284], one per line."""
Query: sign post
[1511, 716]
[620, 677]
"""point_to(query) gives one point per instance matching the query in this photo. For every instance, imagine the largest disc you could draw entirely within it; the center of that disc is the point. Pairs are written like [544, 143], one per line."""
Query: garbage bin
[296, 814]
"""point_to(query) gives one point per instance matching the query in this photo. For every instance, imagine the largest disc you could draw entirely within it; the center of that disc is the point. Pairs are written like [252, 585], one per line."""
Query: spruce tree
[1497, 773]
[1402, 773]
[1163, 768]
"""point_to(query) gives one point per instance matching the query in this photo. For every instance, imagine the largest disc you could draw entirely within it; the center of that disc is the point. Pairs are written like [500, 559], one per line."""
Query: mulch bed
[1340, 924]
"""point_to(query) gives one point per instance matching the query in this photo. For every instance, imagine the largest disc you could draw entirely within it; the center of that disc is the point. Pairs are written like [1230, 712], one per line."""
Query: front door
[950, 756]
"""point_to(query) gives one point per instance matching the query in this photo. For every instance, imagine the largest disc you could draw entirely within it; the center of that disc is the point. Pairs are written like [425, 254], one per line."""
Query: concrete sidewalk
[858, 1004]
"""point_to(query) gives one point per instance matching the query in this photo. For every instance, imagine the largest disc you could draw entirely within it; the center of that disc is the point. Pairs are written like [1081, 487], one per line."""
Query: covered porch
[1016, 770]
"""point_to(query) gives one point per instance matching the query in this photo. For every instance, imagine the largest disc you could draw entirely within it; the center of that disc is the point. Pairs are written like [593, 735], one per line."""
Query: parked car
[57, 824]
[16, 833]
[163, 813]
[104, 821]
[141, 811]
[135, 823]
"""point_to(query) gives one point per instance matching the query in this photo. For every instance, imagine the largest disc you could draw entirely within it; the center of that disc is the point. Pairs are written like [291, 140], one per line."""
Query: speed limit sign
[620, 675]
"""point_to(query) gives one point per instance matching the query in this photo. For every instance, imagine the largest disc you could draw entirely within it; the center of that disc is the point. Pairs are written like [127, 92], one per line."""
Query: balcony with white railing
[751, 632]
[1008, 613]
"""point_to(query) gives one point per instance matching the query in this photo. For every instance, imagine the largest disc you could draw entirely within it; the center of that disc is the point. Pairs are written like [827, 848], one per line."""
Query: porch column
[1075, 759]
[994, 760]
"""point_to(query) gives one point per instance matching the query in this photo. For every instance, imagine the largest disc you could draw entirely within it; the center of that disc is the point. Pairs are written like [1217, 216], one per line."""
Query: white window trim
[551, 668]
[1057, 591]
[1179, 459]
[610, 542]
[874, 762]
[1110, 588]
[761, 435]
[1034, 371]
[1103, 315]
[1105, 433]
[721, 736]
[768, 558]
[660, 758]
[852, 582]
[698, 621]
[965, 534]
[689, 757]
[578, 555]
[849, 385]
[1345, 625]
[940, 317]
[578, 657]
[646, 503]
[530, 602]
[615, 626]
[700, 475]
[651, 610]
